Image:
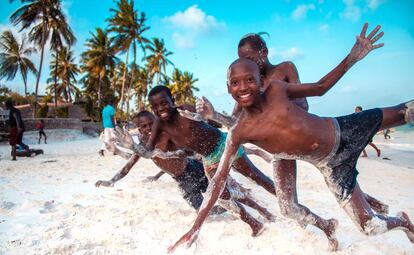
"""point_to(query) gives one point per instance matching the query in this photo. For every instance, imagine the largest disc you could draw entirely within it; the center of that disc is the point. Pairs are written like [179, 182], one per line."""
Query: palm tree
[128, 25]
[65, 70]
[14, 58]
[99, 59]
[182, 87]
[157, 60]
[44, 17]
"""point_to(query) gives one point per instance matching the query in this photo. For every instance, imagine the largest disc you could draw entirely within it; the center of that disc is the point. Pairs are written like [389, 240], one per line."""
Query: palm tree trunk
[123, 81]
[25, 85]
[99, 92]
[55, 85]
[69, 90]
[40, 68]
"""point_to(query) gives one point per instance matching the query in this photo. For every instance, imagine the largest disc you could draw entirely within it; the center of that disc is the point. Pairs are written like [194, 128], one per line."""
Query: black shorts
[15, 136]
[356, 131]
[193, 182]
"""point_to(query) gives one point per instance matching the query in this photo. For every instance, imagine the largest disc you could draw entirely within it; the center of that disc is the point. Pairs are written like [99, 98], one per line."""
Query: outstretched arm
[363, 45]
[121, 174]
[215, 188]
[155, 177]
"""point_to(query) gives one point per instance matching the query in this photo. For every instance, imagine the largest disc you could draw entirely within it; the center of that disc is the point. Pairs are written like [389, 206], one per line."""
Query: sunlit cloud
[291, 54]
[301, 11]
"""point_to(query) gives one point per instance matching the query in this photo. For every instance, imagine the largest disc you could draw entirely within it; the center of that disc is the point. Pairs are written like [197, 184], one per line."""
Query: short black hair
[359, 107]
[143, 113]
[158, 89]
[254, 40]
[8, 102]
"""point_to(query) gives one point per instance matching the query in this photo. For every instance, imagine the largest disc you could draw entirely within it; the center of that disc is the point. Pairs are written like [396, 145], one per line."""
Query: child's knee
[374, 226]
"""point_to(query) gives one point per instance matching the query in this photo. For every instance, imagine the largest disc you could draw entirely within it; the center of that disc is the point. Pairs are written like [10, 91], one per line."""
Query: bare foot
[364, 156]
[409, 230]
[258, 229]
[409, 112]
[330, 234]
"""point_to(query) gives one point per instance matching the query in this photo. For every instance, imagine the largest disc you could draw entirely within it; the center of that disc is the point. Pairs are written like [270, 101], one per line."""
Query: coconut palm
[182, 87]
[128, 25]
[158, 59]
[14, 58]
[63, 67]
[99, 59]
[44, 18]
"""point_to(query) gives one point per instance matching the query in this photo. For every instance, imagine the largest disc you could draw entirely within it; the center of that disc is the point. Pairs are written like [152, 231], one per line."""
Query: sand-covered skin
[49, 205]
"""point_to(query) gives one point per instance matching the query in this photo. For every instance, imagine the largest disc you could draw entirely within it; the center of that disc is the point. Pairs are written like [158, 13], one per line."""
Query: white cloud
[374, 4]
[191, 23]
[193, 18]
[324, 27]
[352, 12]
[301, 11]
[290, 54]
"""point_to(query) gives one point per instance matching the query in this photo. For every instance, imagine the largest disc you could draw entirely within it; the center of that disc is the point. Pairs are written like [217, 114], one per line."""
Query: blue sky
[315, 35]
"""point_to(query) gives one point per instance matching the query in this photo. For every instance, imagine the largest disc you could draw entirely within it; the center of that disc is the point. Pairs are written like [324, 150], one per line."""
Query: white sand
[49, 205]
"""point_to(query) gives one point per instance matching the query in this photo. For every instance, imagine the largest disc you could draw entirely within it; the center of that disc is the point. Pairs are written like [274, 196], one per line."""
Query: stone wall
[90, 128]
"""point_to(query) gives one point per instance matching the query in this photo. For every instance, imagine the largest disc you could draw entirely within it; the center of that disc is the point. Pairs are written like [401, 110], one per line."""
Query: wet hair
[254, 40]
[359, 107]
[158, 89]
[143, 113]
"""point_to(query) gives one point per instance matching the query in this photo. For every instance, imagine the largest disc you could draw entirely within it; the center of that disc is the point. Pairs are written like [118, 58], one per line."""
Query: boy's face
[243, 82]
[162, 105]
[259, 57]
[144, 124]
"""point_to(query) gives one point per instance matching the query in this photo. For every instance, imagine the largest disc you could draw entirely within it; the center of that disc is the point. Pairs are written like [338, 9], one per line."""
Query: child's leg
[377, 205]
[371, 224]
[376, 149]
[40, 137]
[227, 202]
[258, 152]
[247, 200]
[364, 153]
[397, 115]
[285, 176]
[244, 166]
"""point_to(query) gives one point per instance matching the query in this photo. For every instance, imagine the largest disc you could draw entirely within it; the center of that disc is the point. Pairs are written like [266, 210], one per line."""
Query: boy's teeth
[244, 96]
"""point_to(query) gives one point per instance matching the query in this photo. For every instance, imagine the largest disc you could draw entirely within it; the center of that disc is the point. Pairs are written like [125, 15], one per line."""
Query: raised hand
[104, 183]
[190, 115]
[364, 44]
[123, 139]
[187, 239]
[205, 108]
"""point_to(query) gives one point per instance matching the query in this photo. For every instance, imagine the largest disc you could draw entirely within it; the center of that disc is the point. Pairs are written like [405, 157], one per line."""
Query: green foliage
[62, 112]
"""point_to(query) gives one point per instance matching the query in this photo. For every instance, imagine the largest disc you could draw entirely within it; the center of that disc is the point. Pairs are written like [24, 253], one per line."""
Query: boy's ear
[228, 88]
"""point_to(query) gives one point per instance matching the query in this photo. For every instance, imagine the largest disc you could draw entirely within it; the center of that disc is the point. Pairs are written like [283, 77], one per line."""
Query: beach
[49, 205]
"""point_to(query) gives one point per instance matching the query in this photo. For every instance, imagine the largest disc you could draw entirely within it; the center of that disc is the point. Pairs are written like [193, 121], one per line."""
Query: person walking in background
[16, 128]
[41, 126]
[108, 123]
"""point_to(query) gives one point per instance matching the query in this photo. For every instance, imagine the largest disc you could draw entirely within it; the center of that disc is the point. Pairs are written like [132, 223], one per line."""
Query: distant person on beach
[16, 128]
[386, 133]
[333, 145]
[41, 127]
[364, 153]
[108, 123]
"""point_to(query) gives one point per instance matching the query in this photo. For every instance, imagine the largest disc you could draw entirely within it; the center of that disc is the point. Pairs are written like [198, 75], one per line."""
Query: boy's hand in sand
[364, 44]
[104, 183]
[190, 115]
[205, 108]
[187, 239]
